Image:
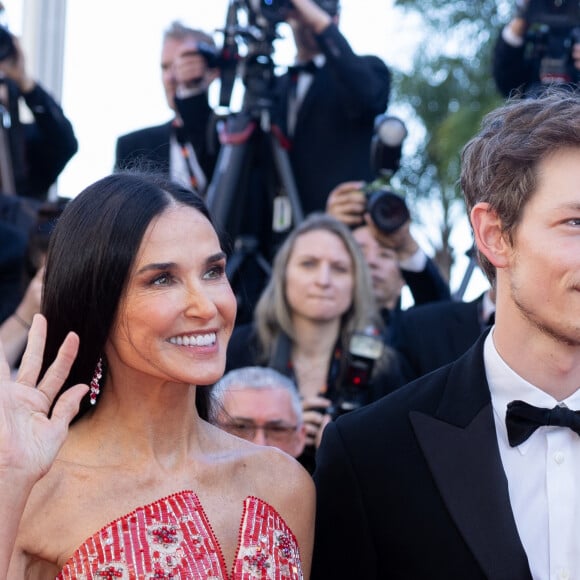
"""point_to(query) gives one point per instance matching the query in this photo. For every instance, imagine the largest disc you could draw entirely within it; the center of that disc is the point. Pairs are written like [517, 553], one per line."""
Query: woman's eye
[161, 280]
[340, 268]
[215, 272]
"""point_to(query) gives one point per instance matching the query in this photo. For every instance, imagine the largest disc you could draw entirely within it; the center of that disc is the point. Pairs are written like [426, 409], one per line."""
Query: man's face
[265, 417]
[181, 64]
[541, 272]
[384, 267]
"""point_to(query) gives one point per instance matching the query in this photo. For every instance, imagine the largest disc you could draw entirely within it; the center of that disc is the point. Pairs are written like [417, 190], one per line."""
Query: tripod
[253, 196]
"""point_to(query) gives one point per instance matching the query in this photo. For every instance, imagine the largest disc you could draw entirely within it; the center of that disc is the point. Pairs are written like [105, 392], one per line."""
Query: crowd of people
[150, 432]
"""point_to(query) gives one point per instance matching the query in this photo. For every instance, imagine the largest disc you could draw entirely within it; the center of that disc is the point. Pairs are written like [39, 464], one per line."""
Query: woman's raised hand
[31, 436]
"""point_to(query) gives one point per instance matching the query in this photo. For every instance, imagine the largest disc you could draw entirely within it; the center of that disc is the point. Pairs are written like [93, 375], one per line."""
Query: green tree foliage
[448, 91]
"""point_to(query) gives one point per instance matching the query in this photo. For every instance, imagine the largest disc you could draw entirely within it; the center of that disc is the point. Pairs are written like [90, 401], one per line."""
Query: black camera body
[554, 27]
[558, 13]
[387, 208]
[353, 390]
[7, 48]
[277, 10]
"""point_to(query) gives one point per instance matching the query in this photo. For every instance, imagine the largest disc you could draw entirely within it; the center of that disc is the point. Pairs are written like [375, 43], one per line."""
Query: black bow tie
[307, 67]
[522, 420]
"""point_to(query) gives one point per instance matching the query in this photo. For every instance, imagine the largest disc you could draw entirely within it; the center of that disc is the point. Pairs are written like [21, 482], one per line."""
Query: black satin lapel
[467, 469]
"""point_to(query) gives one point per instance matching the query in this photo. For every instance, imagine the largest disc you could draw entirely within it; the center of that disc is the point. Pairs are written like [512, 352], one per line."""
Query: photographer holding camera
[38, 151]
[186, 147]
[394, 257]
[538, 47]
[32, 156]
[328, 103]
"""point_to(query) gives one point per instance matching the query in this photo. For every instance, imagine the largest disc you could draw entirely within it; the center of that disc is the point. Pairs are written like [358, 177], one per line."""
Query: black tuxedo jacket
[147, 149]
[334, 127]
[413, 486]
[432, 335]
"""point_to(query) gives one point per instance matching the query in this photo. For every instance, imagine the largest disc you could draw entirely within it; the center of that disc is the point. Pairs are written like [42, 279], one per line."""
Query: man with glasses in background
[260, 405]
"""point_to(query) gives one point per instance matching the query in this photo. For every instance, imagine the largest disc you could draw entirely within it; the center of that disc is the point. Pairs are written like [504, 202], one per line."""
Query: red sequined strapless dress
[172, 539]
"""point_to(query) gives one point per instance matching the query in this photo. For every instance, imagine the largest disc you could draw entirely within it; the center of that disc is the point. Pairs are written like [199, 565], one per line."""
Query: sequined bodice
[172, 539]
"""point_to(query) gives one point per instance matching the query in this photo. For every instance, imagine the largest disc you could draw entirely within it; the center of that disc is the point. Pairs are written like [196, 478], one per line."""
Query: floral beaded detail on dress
[173, 539]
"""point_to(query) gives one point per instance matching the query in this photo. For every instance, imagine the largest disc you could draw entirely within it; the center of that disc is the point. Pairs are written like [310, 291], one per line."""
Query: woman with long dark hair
[143, 486]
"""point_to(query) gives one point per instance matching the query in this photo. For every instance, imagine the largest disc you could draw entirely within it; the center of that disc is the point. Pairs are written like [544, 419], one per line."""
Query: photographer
[186, 147]
[517, 64]
[32, 156]
[317, 303]
[328, 103]
[395, 259]
[38, 151]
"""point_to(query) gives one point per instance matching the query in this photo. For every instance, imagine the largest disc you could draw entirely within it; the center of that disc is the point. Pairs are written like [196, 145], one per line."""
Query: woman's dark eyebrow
[216, 258]
[156, 266]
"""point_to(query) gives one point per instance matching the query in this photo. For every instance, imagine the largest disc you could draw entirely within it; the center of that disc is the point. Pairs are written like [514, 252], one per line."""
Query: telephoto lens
[388, 209]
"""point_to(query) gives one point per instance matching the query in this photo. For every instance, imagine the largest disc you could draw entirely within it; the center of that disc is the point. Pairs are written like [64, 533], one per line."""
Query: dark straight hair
[90, 256]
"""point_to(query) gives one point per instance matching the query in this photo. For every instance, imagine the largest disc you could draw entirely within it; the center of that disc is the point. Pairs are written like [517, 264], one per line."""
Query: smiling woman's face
[178, 310]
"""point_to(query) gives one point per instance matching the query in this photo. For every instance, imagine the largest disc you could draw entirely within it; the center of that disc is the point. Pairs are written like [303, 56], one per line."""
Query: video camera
[258, 34]
[554, 27]
[559, 13]
[277, 10]
[387, 208]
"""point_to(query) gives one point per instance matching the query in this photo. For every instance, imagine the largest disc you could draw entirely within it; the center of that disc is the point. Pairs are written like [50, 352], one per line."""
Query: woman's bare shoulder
[266, 472]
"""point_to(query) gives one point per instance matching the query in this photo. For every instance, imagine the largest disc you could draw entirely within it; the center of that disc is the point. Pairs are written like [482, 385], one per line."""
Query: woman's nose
[199, 304]
[323, 274]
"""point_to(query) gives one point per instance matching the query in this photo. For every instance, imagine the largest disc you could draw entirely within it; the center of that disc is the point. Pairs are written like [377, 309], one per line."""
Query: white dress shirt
[295, 100]
[543, 475]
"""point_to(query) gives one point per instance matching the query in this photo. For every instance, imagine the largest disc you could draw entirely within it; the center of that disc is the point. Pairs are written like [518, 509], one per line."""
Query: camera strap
[190, 172]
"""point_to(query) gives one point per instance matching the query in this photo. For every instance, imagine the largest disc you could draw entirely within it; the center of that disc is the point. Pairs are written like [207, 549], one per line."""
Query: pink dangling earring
[95, 386]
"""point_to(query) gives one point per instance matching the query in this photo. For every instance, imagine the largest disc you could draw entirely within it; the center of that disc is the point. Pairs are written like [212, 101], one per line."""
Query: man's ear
[490, 238]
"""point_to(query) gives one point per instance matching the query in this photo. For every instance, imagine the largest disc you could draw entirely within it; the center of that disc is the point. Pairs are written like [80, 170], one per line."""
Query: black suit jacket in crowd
[13, 245]
[334, 127]
[413, 486]
[148, 149]
[432, 335]
[41, 149]
[511, 71]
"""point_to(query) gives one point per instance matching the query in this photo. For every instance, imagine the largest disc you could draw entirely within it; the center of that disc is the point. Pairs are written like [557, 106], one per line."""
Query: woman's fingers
[32, 358]
[58, 371]
[4, 366]
[31, 364]
[67, 405]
